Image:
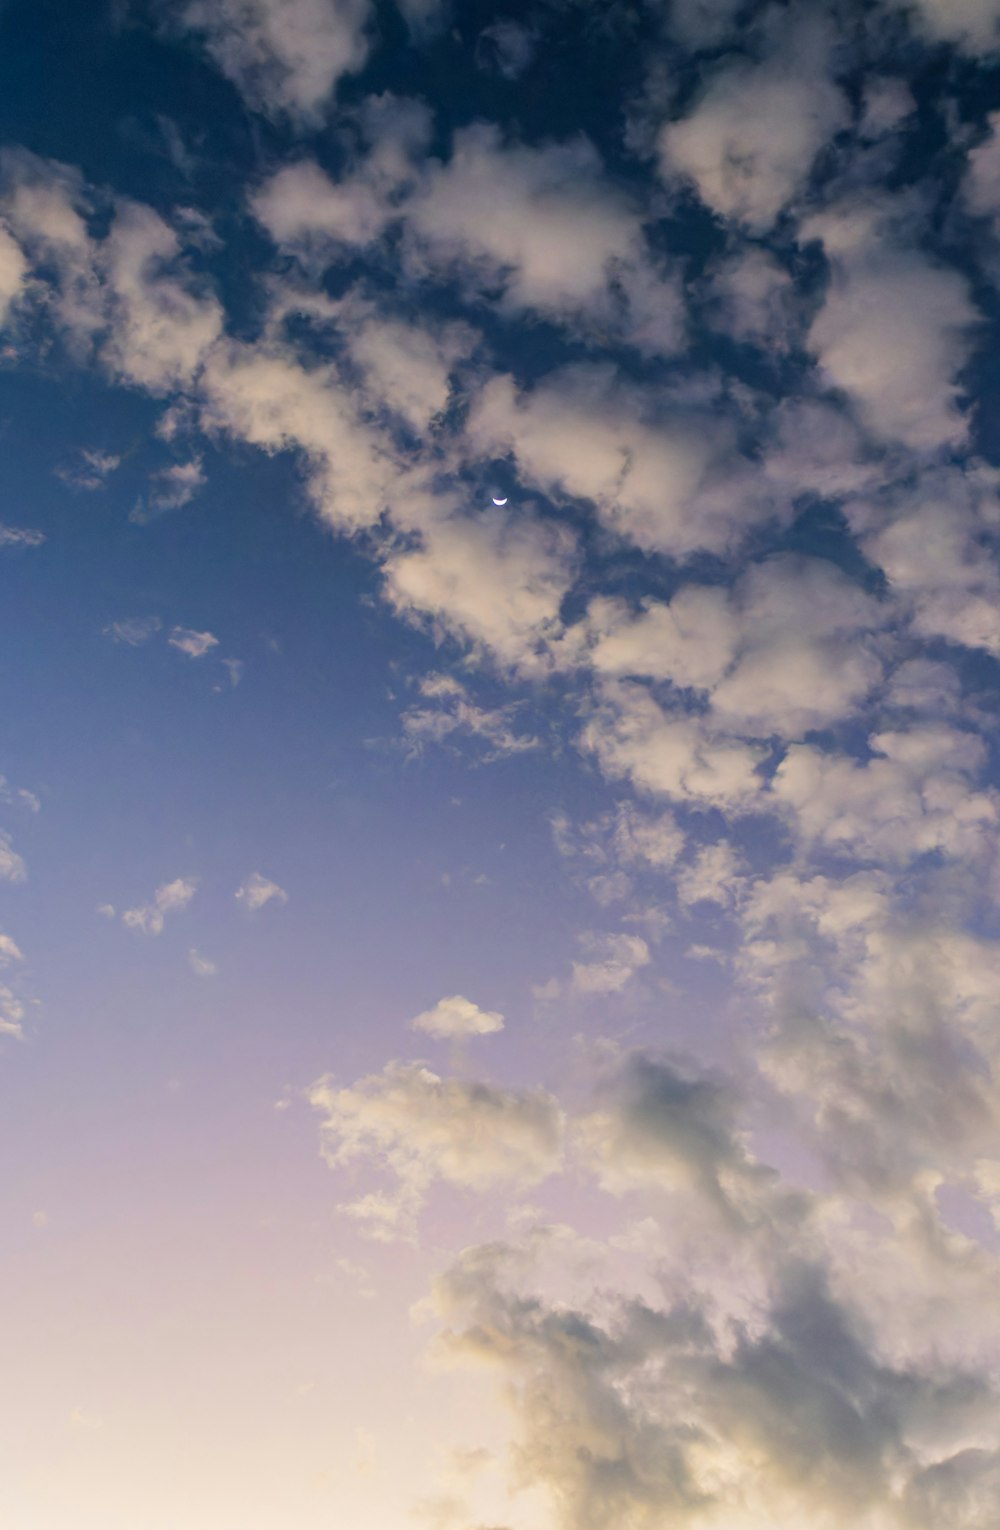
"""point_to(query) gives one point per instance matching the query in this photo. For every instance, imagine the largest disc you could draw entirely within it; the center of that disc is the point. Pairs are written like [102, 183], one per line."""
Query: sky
[499, 794]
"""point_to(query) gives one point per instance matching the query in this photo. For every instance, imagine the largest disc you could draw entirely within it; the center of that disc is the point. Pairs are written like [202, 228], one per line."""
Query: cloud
[668, 480]
[545, 227]
[972, 25]
[933, 540]
[450, 710]
[20, 536]
[617, 959]
[9, 951]
[171, 488]
[258, 890]
[754, 133]
[12, 867]
[194, 644]
[670, 753]
[712, 877]
[496, 581]
[91, 471]
[284, 56]
[170, 898]
[914, 795]
[456, 1017]
[11, 1014]
[13, 271]
[894, 330]
[201, 964]
[421, 1128]
[134, 630]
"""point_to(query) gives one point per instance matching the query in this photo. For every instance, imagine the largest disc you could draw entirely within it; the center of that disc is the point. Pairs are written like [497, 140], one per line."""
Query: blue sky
[499, 817]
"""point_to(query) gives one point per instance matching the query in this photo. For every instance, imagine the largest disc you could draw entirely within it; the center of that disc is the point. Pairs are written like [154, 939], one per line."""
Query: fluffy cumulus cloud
[455, 1018]
[894, 330]
[749, 141]
[284, 56]
[170, 898]
[257, 891]
[422, 1128]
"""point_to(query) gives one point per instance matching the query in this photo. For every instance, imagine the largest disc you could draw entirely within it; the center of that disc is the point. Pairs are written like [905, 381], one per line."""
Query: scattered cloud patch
[257, 891]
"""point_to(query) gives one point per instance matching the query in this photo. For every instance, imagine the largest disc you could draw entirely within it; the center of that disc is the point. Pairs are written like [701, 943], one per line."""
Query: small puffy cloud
[972, 25]
[750, 140]
[615, 960]
[751, 296]
[714, 876]
[670, 753]
[264, 395]
[448, 709]
[259, 890]
[914, 795]
[497, 581]
[540, 222]
[981, 182]
[91, 470]
[11, 1014]
[162, 322]
[284, 56]
[893, 332]
[134, 630]
[106, 910]
[9, 951]
[422, 1128]
[305, 211]
[170, 489]
[887, 101]
[506, 47]
[168, 899]
[20, 536]
[933, 541]
[201, 964]
[13, 271]
[668, 480]
[12, 867]
[194, 644]
[456, 1017]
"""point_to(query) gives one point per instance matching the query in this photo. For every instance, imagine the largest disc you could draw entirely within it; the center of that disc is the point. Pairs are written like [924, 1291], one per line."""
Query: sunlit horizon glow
[499, 801]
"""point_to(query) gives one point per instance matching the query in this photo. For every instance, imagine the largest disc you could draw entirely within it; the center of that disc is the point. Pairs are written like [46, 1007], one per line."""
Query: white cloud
[616, 960]
[259, 890]
[893, 331]
[12, 867]
[668, 480]
[973, 25]
[755, 130]
[752, 298]
[134, 630]
[201, 964]
[20, 536]
[13, 271]
[422, 1128]
[170, 489]
[92, 470]
[9, 951]
[933, 541]
[540, 215]
[11, 1014]
[448, 709]
[161, 326]
[913, 796]
[265, 396]
[670, 753]
[714, 876]
[194, 644]
[170, 898]
[284, 56]
[457, 1017]
[497, 581]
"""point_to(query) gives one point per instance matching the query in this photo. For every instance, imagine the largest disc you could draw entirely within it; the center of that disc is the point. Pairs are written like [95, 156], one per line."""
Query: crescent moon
[497, 501]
